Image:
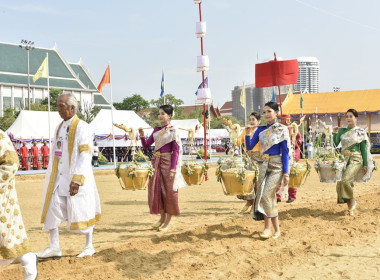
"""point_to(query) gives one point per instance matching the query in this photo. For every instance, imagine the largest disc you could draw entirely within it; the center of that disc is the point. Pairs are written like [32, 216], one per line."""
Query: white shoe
[88, 251]
[50, 253]
[30, 270]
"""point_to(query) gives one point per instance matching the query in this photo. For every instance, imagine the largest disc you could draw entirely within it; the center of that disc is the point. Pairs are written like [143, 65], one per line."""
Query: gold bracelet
[173, 171]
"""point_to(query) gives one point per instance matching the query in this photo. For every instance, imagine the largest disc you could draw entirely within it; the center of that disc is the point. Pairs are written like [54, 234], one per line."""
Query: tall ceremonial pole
[203, 95]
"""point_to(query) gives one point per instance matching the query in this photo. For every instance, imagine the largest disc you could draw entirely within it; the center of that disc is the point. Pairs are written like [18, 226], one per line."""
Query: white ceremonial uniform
[71, 162]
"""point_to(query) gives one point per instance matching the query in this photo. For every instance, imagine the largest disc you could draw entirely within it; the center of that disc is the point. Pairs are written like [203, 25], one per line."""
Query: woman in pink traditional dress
[167, 179]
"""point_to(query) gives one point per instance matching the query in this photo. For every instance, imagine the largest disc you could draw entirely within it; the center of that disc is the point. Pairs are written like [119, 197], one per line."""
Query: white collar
[68, 122]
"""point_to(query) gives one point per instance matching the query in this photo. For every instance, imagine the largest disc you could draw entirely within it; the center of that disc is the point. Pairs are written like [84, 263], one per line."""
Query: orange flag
[105, 80]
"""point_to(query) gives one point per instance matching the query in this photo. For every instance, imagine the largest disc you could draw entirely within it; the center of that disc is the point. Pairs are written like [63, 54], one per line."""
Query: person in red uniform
[45, 155]
[296, 143]
[34, 152]
[24, 155]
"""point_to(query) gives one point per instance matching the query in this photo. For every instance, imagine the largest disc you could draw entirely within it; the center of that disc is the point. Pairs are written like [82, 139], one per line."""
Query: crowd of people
[70, 193]
[33, 158]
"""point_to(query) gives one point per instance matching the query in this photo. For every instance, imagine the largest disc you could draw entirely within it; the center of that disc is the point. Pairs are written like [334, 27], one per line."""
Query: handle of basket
[224, 188]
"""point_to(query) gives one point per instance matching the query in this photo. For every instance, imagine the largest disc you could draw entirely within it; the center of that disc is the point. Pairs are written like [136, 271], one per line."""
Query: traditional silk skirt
[160, 189]
[345, 188]
[270, 176]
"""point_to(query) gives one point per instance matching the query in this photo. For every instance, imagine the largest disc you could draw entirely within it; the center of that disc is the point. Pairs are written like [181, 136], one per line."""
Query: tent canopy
[101, 127]
[187, 124]
[34, 125]
[364, 101]
[102, 123]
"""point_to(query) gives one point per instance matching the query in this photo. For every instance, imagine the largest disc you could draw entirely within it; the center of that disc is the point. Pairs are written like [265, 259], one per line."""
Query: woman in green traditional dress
[359, 164]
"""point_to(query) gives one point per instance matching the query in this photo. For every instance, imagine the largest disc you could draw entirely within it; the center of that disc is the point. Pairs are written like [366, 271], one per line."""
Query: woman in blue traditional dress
[273, 168]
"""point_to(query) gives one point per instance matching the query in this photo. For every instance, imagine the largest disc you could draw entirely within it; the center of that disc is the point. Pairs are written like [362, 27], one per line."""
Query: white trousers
[60, 210]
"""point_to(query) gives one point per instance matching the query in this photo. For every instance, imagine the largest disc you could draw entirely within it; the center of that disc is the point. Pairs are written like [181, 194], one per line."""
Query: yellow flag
[288, 96]
[242, 96]
[43, 71]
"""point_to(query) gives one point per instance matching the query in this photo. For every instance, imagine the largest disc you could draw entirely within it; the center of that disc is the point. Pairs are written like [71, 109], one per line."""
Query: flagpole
[245, 108]
[163, 77]
[303, 128]
[209, 131]
[113, 133]
[48, 90]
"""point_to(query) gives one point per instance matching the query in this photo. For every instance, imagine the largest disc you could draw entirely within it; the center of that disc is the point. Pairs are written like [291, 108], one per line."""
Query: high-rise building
[255, 98]
[308, 76]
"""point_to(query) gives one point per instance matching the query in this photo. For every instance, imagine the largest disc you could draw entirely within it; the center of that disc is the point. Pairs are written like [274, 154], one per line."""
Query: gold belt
[266, 157]
[348, 153]
[159, 154]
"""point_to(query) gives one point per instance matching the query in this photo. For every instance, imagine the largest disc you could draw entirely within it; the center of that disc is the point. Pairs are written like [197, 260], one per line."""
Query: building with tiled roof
[69, 77]
[226, 109]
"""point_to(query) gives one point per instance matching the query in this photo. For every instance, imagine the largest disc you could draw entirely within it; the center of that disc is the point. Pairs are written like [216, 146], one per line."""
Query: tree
[54, 93]
[9, 116]
[135, 102]
[217, 123]
[88, 112]
[38, 106]
[169, 99]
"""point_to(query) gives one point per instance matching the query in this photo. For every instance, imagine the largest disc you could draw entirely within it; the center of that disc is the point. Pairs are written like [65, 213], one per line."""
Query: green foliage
[197, 113]
[38, 106]
[9, 116]
[135, 102]
[54, 93]
[169, 99]
[217, 123]
[88, 112]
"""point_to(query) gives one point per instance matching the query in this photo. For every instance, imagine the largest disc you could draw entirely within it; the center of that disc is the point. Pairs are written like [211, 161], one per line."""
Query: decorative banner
[276, 73]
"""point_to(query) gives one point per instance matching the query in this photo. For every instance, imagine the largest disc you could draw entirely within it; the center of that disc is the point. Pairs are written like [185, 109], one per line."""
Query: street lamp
[28, 45]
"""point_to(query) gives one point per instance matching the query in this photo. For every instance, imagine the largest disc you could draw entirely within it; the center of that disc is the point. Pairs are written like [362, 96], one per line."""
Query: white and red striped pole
[203, 68]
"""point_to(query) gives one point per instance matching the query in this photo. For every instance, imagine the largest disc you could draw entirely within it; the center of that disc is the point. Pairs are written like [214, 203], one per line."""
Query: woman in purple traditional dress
[167, 159]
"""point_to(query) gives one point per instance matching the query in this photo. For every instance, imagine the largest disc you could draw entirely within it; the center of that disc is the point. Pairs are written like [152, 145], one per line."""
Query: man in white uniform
[70, 192]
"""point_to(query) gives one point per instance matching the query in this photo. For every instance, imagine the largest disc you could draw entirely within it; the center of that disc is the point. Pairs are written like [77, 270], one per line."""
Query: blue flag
[201, 85]
[162, 85]
[273, 95]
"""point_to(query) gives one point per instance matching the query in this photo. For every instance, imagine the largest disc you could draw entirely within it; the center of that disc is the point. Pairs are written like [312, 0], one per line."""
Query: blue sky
[140, 38]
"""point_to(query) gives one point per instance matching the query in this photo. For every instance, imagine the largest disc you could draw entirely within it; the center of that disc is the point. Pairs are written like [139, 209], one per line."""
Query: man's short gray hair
[71, 100]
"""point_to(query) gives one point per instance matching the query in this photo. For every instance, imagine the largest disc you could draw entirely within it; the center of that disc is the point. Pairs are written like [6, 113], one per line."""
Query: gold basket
[137, 183]
[296, 181]
[231, 186]
[196, 178]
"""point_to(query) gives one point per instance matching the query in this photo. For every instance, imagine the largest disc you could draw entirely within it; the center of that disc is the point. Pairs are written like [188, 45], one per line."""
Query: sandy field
[211, 239]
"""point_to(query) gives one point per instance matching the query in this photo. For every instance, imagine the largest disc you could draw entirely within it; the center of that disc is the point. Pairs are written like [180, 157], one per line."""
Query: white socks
[89, 238]
[27, 259]
[54, 239]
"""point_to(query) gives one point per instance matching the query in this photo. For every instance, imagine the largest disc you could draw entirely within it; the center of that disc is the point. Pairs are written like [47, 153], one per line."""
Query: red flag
[276, 73]
[105, 80]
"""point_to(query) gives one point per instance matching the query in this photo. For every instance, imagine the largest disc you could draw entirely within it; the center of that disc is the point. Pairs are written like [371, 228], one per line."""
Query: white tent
[219, 133]
[34, 125]
[186, 124]
[101, 127]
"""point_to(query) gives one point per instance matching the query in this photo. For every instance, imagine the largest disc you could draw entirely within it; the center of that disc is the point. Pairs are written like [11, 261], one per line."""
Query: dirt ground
[211, 239]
